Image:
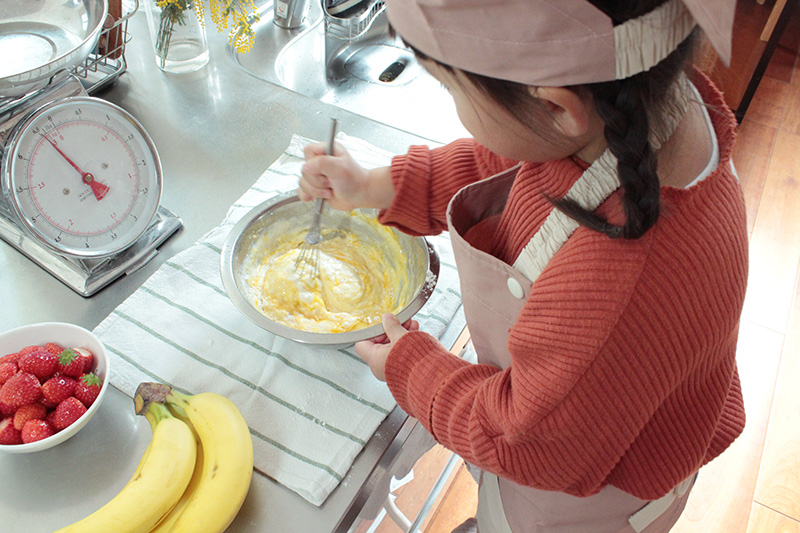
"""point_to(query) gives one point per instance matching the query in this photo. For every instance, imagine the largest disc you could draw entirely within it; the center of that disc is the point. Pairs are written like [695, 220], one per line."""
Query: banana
[218, 489]
[158, 483]
[167, 521]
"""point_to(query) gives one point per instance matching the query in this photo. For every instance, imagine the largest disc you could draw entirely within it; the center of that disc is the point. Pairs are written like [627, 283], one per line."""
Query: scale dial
[83, 176]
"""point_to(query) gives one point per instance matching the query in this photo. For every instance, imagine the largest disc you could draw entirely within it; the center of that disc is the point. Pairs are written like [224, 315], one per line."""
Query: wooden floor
[754, 487]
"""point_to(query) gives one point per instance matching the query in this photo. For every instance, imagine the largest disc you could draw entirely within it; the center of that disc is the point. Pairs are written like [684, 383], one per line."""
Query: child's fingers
[393, 328]
[409, 325]
[374, 355]
[315, 149]
[304, 196]
[308, 191]
[313, 184]
[380, 339]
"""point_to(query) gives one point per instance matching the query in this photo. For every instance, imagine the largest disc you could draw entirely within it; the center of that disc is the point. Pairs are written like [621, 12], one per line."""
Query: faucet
[351, 23]
[366, 22]
[346, 20]
[290, 13]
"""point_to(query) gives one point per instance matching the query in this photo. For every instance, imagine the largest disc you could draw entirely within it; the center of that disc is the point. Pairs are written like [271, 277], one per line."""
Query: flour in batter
[359, 280]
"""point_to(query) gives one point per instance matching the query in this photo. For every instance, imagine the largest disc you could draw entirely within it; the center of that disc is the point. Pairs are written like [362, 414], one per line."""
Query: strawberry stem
[67, 356]
[90, 379]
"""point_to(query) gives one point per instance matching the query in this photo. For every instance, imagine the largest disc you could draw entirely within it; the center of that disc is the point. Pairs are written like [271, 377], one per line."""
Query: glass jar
[179, 39]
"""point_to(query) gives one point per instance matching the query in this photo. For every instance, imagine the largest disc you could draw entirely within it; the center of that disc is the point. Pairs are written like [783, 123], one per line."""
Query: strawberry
[50, 419]
[88, 358]
[70, 363]
[10, 358]
[6, 371]
[88, 388]
[21, 389]
[47, 403]
[40, 363]
[29, 349]
[53, 348]
[6, 410]
[32, 411]
[34, 430]
[57, 389]
[68, 412]
[8, 433]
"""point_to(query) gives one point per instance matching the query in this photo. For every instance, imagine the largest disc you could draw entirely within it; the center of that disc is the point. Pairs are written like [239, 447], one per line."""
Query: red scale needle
[99, 189]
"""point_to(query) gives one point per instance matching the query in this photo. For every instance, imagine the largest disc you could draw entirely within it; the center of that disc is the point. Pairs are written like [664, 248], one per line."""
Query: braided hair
[625, 107]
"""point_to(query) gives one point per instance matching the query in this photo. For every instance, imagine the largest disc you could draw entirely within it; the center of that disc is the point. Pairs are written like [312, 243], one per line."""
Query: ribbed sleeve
[420, 204]
[623, 357]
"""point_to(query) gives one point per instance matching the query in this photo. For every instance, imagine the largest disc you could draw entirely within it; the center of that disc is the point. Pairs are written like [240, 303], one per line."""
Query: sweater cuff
[415, 370]
[411, 181]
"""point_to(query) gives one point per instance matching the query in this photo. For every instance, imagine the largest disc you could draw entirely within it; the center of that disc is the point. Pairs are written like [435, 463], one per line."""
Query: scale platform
[87, 276]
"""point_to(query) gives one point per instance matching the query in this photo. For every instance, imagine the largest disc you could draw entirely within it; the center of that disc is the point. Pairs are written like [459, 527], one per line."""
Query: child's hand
[336, 178]
[375, 351]
[342, 182]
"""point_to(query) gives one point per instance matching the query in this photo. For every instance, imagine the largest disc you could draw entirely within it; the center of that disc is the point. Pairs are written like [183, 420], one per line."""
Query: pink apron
[493, 294]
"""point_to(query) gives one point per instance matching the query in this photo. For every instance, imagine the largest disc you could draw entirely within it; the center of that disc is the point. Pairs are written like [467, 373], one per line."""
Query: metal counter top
[216, 131]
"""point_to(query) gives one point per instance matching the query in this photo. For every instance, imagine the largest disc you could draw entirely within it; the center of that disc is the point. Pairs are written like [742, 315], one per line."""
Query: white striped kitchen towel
[310, 409]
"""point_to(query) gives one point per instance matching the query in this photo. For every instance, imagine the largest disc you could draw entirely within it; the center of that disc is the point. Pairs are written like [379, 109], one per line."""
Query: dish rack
[353, 27]
[107, 61]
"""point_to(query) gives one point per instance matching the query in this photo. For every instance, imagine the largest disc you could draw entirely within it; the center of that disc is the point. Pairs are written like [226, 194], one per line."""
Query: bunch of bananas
[194, 475]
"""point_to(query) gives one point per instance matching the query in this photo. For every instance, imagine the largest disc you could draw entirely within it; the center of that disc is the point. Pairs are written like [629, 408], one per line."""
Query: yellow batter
[358, 280]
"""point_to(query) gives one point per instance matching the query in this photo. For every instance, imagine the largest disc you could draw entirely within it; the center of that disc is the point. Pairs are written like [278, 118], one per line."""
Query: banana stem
[178, 411]
[178, 399]
[148, 393]
[157, 412]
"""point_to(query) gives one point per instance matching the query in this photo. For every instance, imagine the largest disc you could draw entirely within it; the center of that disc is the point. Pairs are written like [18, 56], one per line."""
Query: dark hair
[622, 105]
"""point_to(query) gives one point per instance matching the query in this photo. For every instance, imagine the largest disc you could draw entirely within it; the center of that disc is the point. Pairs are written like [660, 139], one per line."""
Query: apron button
[515, 288]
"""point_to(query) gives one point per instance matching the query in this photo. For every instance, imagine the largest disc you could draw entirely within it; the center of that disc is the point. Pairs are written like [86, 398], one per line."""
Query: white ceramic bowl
[68, 336]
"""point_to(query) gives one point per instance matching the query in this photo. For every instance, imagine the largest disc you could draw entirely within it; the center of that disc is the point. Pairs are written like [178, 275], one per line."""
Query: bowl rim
[305, 337]
[72, 430]
[36, 77]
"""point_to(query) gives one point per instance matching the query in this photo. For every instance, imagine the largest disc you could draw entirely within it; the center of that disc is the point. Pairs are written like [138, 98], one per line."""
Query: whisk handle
[319, 203]
[334, 123]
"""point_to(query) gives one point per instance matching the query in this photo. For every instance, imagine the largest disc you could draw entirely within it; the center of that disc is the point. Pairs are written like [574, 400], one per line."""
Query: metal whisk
[307, 262]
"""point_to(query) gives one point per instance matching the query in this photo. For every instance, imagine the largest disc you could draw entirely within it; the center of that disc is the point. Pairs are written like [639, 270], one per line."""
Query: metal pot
[42, 38]
[422, 268]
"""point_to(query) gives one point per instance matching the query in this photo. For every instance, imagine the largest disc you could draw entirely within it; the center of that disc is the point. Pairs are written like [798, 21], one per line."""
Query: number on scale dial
[84, 177]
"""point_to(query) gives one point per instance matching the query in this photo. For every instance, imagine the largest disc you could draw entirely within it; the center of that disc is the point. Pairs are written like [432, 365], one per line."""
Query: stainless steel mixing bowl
[422, 266]
[38, 39]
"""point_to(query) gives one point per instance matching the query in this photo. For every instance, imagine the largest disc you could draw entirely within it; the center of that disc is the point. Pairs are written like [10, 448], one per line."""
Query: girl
[599, 232]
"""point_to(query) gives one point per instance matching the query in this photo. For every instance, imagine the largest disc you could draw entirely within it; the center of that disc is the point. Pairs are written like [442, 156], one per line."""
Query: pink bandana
[554, 42]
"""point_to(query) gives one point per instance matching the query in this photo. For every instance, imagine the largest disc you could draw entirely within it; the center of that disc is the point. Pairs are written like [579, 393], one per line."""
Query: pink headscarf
[554, 42]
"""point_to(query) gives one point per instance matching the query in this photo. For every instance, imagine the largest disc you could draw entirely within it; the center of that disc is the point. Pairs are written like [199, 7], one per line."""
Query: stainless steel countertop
[216, 131]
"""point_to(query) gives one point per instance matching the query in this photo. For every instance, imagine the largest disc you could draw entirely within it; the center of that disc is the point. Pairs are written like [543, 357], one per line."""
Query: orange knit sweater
[623, 359]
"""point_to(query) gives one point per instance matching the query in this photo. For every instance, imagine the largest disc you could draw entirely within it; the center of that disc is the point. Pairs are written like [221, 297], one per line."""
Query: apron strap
[596, 184]
[592, 188]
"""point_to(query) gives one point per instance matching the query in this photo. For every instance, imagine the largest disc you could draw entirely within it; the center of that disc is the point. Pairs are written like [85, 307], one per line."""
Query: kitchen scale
[81, 186]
